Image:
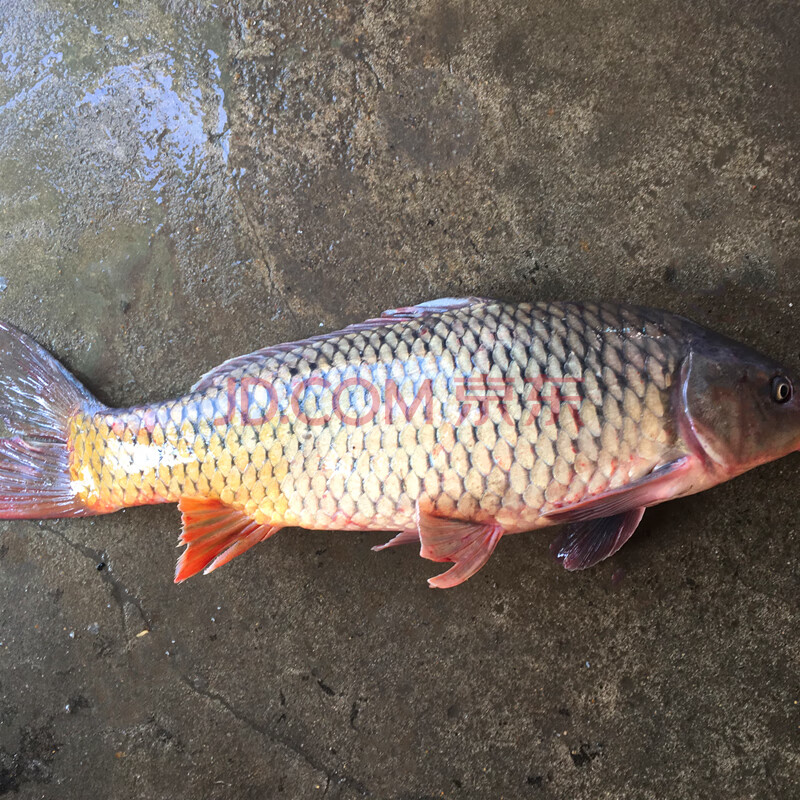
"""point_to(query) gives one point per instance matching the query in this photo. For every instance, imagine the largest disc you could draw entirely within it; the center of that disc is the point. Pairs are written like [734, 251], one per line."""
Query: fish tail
[38, 400]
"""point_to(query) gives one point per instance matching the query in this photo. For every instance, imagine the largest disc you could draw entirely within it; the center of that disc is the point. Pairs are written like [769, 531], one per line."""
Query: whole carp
[451, 423]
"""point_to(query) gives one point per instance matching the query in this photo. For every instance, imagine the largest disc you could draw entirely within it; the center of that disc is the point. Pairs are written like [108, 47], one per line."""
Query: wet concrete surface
[183, 182]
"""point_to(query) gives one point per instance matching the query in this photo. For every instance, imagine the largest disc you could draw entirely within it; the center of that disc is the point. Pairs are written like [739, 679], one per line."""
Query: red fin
[467, 544]
[584, 544]
[661, 484]
[38, 398]
[404, 537]
[390, 317]
[215, 533]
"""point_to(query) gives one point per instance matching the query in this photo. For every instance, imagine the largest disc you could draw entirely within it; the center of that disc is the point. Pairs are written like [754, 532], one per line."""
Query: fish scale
[451, 423]
[476, 447]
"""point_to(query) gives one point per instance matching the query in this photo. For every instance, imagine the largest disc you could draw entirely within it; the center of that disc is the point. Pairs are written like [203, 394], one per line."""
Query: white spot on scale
[142, 457]
[85, 485]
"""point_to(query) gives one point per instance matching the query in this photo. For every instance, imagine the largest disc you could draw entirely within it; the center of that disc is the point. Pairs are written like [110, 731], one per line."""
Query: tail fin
[38, 397]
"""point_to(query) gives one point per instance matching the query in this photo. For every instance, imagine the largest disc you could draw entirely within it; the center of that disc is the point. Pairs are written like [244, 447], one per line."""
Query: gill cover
[728, 401]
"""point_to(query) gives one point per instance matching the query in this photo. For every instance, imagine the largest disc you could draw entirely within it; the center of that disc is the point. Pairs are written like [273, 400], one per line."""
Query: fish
[449, 424]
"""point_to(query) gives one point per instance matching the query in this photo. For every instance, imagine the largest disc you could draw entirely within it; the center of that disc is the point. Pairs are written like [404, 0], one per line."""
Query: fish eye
[781, 389]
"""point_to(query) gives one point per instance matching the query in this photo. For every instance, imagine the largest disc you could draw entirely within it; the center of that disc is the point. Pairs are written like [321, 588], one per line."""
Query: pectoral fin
[215, 533]
[467, 544]
[661, 484]
[583, 544]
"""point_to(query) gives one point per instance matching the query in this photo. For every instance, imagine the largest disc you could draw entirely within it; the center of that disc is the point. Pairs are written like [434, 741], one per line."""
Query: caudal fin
[38, 397]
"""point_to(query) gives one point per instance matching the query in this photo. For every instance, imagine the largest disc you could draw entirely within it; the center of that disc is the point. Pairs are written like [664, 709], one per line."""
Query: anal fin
[583, 544]
[467, 544]
[215, 533]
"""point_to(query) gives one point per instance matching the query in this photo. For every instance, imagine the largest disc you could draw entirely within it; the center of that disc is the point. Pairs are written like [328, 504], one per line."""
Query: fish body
[452, 423]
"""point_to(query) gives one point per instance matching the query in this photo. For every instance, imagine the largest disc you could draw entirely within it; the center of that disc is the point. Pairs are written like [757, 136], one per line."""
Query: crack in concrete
[372, 70]
[269, 732]
[119, 591]
[265, 257]
[773, 597]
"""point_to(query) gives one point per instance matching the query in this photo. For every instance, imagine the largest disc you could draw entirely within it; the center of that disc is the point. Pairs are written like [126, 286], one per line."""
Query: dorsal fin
[389, 317]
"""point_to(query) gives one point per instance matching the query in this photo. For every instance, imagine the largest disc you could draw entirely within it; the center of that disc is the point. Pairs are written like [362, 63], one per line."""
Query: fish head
[740, 407]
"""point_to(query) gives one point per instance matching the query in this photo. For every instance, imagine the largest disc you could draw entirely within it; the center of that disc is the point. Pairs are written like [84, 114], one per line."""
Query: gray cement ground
[182, 182]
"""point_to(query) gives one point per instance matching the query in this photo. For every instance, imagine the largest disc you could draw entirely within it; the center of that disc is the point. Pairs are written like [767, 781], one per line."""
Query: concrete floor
[181, 182]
